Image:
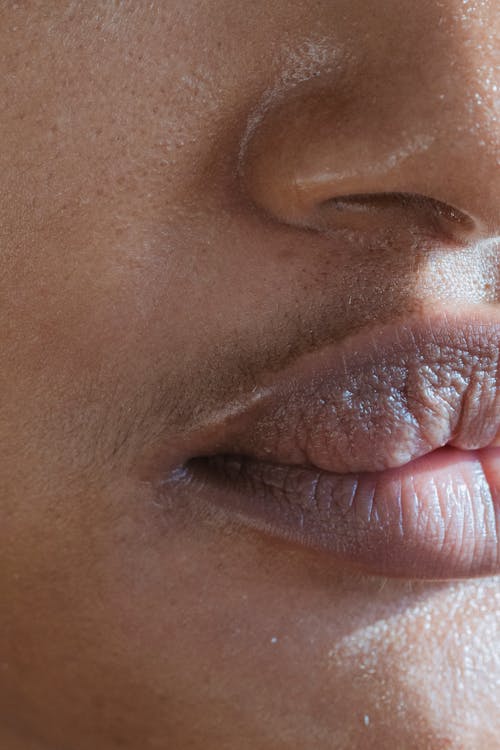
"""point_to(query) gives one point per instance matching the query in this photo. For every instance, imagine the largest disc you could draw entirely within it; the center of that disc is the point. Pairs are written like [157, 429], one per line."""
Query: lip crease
[382, 450]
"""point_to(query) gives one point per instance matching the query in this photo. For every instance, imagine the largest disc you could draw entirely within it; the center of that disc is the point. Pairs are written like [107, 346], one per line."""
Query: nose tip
[411, 127]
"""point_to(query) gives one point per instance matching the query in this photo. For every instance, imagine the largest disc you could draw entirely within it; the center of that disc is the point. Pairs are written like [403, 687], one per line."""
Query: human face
[186, 273]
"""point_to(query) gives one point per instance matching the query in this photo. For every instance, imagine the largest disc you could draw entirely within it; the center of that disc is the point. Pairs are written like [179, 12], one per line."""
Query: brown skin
[156, 256]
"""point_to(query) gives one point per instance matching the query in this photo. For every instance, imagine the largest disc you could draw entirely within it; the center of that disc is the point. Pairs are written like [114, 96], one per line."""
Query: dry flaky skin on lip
[379, 399]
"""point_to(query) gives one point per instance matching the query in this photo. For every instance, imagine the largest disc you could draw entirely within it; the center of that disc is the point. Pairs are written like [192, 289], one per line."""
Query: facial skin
[157, 257]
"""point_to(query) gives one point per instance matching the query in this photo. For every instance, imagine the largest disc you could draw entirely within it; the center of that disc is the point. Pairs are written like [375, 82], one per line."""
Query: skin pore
[170, 233]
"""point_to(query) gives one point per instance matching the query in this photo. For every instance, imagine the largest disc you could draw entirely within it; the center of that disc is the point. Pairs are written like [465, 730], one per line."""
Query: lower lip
[436, 517]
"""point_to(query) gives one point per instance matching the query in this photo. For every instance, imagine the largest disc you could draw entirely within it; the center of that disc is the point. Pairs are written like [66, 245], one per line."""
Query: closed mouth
[382, 451]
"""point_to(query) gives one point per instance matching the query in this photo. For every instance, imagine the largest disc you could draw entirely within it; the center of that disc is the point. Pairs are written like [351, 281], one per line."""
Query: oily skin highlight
[158, 256]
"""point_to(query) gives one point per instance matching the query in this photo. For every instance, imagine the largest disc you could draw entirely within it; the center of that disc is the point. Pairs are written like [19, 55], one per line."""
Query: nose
[416, 116]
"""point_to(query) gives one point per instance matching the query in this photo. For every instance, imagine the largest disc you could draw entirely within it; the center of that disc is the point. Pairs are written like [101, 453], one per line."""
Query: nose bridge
[417, 114]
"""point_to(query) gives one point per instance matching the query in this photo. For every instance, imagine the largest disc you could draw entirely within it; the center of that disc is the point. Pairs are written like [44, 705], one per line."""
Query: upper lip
[376, 400]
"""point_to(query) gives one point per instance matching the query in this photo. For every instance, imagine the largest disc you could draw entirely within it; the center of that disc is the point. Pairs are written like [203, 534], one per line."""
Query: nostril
[391, 211]
[411, 201]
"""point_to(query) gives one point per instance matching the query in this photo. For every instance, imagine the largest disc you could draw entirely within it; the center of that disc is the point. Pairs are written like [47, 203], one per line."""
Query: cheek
[429, 669]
